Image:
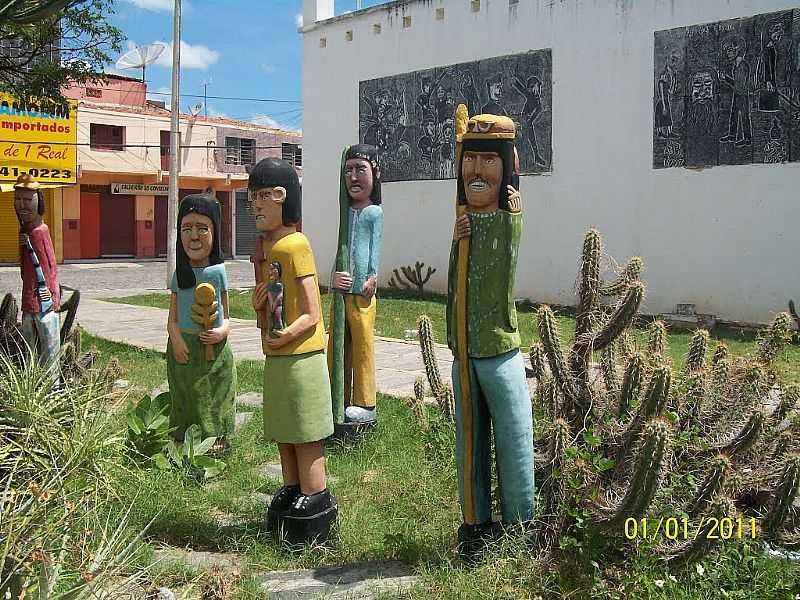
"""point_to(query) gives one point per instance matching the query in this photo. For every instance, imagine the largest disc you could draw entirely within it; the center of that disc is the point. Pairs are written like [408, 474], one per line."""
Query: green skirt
[202, 392]
[297, 398]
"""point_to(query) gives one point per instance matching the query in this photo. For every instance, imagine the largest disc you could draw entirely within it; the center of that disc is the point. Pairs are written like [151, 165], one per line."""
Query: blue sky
[245, 48]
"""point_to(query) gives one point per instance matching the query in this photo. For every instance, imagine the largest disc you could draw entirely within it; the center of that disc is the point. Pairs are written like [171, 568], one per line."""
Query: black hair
[274, 172]
[278, 267]
[504, 148]
[370, 154]
[201, 204]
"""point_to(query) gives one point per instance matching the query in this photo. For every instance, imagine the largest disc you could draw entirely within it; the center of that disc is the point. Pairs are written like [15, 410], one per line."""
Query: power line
[214, 147]
[149, 93]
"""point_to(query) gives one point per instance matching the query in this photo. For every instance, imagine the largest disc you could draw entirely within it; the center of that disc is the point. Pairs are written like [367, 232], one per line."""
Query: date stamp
[681, 528]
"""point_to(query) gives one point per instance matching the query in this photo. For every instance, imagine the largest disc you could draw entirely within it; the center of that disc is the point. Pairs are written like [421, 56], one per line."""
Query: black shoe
[311, 518]
[473, 540]
[281, 503]
[308, 506]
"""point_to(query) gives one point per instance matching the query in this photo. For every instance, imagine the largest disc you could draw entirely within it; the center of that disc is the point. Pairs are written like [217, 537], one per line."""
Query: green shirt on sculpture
[491, 314]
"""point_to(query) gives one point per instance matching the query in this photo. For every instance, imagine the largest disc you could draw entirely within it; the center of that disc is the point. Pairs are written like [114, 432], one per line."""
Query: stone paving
[397, 363]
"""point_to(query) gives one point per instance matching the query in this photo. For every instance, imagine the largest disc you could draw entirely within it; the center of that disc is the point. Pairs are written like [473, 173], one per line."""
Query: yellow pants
[359, 350]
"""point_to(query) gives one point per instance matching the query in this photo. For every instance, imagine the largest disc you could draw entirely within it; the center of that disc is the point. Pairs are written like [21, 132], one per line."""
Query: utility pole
[174, 146]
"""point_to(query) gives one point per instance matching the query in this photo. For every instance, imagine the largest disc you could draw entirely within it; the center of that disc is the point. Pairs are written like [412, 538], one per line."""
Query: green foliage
[191, 458]
[148, 424]
[59, 455]
[82, 33]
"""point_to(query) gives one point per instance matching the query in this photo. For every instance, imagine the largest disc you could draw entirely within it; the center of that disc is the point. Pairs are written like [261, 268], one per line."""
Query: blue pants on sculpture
[500, 402]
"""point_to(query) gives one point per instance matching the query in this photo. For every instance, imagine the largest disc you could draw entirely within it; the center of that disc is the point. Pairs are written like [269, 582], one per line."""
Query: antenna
[140, 56]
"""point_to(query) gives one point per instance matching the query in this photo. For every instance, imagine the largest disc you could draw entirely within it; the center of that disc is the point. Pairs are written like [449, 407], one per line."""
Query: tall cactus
[425, 331]
[721, 429]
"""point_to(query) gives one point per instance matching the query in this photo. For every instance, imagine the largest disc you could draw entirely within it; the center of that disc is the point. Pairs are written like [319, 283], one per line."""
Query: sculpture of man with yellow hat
[40, 289]
[488, 372]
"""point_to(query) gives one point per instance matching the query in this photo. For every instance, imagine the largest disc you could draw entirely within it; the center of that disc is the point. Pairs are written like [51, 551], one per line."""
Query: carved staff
[258, 258]
[461, 329]
[204, 311]
[338, 320]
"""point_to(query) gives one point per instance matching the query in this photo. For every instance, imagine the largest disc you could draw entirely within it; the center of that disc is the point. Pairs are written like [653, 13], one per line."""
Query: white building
[723, 238]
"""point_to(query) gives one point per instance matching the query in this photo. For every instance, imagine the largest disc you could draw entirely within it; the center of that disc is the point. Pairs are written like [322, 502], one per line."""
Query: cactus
[784, 498]
[629, 274]
[443, 393]
[696, 361]
[632, 384]
[720, 353]
[417, 405]
[411, 277]
[703, 541]
[776, 336]
[614, 443]
[425, 330]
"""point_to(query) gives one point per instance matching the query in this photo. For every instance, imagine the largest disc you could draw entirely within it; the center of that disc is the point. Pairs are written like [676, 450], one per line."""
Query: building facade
[119, 206]
[637, 118]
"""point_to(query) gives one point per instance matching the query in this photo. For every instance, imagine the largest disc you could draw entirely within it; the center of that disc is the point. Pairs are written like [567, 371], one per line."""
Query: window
[348, 35]
[106, 137]
[476, 5]
[376, 28]
[292, 153]
[440, 14]
[406, 22]
[164, 150]
[323, 42]
[240, 151]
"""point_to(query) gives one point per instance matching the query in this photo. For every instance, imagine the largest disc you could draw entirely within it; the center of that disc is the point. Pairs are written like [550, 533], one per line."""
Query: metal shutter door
[246, 232]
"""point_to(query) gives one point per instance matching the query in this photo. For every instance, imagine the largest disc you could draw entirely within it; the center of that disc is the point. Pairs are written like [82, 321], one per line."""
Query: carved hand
[180, 351]
[462, 228]
[370, 285]
[259, 296]
[514, 200]
[342, 280]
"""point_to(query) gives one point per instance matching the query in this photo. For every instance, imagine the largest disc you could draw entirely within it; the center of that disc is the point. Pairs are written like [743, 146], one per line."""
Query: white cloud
[298, 20]
[268, 68]
[268, 121]
[154, 5]
[192, 57]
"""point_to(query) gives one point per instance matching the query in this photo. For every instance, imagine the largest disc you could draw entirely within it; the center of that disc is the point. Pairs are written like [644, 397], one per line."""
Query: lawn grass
[398, 500]
[398, 312]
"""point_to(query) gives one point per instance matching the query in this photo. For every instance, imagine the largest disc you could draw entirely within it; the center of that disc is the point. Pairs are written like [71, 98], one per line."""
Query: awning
[9, 186]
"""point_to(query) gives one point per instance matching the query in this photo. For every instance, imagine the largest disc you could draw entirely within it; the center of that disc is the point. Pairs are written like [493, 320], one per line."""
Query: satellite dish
[195, 110]
[140, 57]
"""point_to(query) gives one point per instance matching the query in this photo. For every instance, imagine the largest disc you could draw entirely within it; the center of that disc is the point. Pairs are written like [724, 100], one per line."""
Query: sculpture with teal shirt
[351, 344]
[491, 391]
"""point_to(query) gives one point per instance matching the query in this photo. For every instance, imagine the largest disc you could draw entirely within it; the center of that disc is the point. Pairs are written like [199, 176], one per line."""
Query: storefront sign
[140, 188]
[38, 137]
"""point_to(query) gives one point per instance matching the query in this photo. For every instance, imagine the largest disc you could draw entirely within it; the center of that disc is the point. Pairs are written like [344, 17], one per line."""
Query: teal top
[216, 276]
[365, 227]
[491, 314]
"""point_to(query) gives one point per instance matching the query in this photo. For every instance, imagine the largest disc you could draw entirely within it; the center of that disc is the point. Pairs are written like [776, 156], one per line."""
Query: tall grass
[60, 454]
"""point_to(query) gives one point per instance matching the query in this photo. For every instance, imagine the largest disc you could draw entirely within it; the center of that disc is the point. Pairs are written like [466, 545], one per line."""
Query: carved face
[732, 49]
[26, 203]
[702, 87]
[267, 208]
[197, 238]
[482, 174]
[776, 32]
[358, 177]
[274, 275]
[496, 90]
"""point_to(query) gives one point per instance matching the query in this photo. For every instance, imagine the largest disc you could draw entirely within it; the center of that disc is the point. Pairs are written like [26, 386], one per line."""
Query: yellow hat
[489, 127]
[26, 182]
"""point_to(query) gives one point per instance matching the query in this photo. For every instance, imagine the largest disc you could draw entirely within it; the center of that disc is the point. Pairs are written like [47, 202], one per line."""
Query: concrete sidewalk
[397, 363]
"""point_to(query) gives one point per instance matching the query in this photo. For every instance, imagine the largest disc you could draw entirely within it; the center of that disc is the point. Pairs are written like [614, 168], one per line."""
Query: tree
[71, 43]
[30, 11]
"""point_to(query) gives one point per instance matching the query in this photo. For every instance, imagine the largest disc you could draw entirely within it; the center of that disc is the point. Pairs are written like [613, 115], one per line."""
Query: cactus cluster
[641, 431]
[441, 391]
[75, 364]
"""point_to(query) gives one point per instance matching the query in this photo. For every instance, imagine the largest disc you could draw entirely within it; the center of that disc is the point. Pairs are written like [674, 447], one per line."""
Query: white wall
[723, 238]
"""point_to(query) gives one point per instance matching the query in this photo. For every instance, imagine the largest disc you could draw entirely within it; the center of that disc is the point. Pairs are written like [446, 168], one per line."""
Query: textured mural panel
[728, 93]
[410, 116]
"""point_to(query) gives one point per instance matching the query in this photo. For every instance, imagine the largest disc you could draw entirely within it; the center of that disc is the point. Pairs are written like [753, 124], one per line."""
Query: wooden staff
[258, 258]
[462, 346]
[205, 311]
[338, 325]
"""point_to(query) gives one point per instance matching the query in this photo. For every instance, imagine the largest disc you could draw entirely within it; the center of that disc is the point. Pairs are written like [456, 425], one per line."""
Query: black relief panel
[410, 117]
